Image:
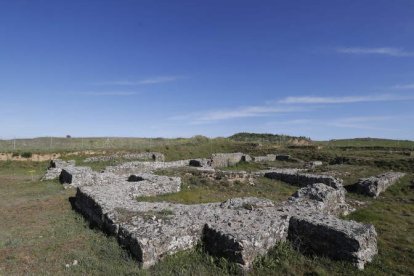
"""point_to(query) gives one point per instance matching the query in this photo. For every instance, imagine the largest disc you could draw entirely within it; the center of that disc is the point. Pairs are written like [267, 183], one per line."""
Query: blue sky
[324, 69]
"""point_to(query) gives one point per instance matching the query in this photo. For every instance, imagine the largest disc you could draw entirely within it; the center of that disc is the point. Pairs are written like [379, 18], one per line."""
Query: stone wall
[374, 185]
[303, 179]
[148, 156]
[266, 158]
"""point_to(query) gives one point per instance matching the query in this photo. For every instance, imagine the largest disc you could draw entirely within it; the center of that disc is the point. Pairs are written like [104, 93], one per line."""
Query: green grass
[196, 189]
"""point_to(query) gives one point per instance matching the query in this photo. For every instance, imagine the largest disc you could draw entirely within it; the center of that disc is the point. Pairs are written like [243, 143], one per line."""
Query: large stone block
[228, 159]
[374, 185]
[333, 238]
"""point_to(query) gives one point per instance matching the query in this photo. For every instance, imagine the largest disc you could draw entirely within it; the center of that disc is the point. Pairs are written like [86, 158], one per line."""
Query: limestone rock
[374, 185]
[303, 179]
[268, 157]
[334, 238]
[228, 159]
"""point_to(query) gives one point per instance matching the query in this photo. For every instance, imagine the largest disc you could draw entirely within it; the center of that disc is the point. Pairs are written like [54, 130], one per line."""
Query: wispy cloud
[111, 93]
[235, 113]
[387, 51]
[153, 80]
[343, 100]
[357, 122]
[404, 86]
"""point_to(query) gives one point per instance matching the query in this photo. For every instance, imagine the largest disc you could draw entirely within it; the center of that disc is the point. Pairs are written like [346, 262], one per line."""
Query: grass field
[40, 233]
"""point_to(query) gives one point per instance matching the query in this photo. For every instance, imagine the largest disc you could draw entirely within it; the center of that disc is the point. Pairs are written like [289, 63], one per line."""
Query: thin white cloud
[386, 51]
[154, 80]
[343, 100]
[236, 113]
[112, 93]
[361, 122]
[404, 86]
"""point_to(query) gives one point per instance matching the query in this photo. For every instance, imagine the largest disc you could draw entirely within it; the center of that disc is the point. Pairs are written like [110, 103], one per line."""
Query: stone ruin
[239, 229]
[374, 185]
[55, 168]
[297, 178]
[147, 156]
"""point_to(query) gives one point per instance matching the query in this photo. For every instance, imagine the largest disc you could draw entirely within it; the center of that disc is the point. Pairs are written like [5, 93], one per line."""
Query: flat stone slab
[374, 185]
[334, 238]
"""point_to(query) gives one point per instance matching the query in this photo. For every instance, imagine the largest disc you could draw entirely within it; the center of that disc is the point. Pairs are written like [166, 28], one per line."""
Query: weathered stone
[140, 166]
[267, 158]
[61, 164]
[337, 239]
[326, 199]
[200, 163]
[230, 176]
[76, 176]
[228, 159]
[154, 156]
[303, 179]
[374, 185]
[55, 168]
[313, 164]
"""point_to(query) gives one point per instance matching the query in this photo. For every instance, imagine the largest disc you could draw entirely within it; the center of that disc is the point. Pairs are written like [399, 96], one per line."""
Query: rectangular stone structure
[328, 236]
[303, 179]
[374, 185]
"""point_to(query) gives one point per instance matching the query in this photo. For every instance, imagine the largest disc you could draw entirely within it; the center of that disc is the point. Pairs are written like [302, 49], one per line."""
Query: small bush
[26, 154]
[15, 154]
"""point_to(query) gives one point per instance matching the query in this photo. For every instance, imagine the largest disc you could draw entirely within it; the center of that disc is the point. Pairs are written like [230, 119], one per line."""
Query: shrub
[26, 154]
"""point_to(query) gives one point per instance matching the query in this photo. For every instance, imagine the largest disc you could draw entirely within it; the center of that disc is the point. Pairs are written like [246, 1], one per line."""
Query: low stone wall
[374, 185]
[148, 156]
[230, 176]
[303, 179]
[267, 158]
[139, 167]
[334, 238]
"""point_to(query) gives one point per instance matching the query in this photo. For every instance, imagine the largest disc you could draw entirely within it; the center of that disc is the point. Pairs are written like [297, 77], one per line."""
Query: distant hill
[272, 138]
